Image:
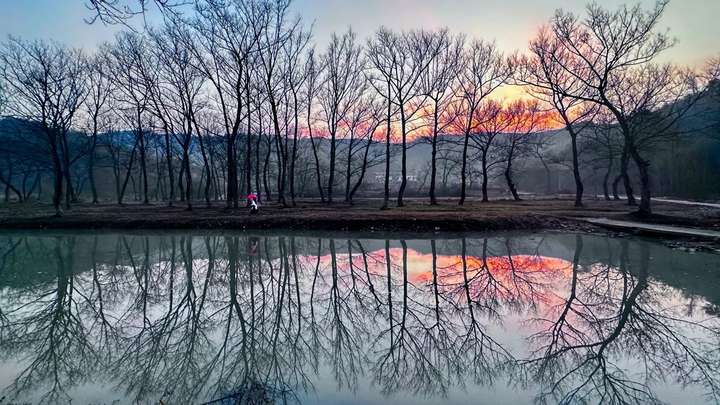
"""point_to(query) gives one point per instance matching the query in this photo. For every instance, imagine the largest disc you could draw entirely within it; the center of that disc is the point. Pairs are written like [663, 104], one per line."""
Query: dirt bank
[364, 215]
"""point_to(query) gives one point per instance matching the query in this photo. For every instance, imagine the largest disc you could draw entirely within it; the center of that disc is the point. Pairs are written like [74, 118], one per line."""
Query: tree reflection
[245, 319]
[57, 340]
[612, 317]
[7, 254]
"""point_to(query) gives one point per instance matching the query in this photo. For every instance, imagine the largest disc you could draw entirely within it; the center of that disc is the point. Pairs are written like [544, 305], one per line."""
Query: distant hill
[687, 167]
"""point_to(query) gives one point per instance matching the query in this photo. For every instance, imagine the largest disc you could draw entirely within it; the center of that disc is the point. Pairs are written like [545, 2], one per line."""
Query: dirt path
[652, 229]
[676, 201]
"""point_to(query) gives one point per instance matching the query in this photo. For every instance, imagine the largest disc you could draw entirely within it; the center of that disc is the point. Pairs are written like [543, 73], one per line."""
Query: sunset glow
[517, 279]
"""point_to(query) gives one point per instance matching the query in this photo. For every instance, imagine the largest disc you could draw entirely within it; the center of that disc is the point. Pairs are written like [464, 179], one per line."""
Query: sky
[511, 23]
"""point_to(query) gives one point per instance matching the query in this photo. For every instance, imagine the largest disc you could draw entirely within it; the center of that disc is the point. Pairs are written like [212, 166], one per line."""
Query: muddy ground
[364, 215]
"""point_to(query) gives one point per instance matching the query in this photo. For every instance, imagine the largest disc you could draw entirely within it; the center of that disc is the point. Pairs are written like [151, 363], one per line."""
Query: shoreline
[363, 216]
[365, 219]
[339, 222]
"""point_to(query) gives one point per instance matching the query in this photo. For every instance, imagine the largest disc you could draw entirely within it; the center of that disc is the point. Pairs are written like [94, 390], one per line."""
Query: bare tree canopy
[221, 98]
[121, 11]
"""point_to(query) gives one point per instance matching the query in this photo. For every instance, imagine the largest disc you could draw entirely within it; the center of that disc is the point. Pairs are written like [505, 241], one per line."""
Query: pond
[278, 317]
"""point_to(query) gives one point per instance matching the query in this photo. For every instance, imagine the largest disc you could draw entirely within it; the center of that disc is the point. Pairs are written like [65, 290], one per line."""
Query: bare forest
[223, 98]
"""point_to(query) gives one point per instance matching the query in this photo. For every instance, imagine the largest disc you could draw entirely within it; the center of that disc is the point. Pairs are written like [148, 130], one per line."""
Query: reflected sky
[267, 318]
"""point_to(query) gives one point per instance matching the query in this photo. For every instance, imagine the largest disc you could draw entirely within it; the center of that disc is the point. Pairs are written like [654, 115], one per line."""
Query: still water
[513, 318]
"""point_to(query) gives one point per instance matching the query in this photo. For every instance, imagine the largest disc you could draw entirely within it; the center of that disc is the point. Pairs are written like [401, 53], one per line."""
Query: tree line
[228, 97]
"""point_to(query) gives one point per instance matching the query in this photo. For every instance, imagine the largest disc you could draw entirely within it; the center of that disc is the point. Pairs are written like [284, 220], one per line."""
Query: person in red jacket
[253, 202]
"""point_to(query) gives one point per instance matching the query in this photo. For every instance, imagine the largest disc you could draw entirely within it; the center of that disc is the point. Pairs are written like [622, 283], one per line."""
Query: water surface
[276, 318]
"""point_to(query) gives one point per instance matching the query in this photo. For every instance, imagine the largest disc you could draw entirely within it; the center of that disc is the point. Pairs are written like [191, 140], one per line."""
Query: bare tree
[525, 118]
[609, 52]
[129, 57]
[272, 37]
[437, 84]
[381, 56]
[97, 109]
[45, 84]
[313, 72]
[225, 35]
[177, 98]
[122, 11]
[414, 51]
[341, 88]
[547, 81]
[361, 123]
[296, 76]
[484, 69]
[492, 121]
[605, 141]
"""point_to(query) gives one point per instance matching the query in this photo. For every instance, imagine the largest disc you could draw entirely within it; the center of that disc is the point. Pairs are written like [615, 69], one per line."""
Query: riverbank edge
[361, 227]
[443, 223]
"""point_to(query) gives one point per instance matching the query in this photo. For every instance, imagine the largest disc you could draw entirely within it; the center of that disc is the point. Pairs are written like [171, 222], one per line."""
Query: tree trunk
[463, 171]
[625, 158]
[266, 166]
[317, 163]
[127, 174]
[206, 164]
[331, 175]
[293, 156]
[248, 143]
[348, 167]
[91, 164]
[645, 192]
[69, 191]
[576, 168]
[9, 186]
[57, 171]
[143, 165]
[281, 170]
[257, 155]
[433, 156]
[8, 182]
[231, 199]
[181, 176]
[484, 176]
[37, 184]
[509, 180]
[188, 175]
[615, 186]
[281, 159]
[606, 179]
[403, 182]
[168, 158]
[386, 196]
[362, 170]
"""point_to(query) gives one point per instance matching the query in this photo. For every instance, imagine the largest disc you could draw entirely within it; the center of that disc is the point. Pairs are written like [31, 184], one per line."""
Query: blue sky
[510, 22]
